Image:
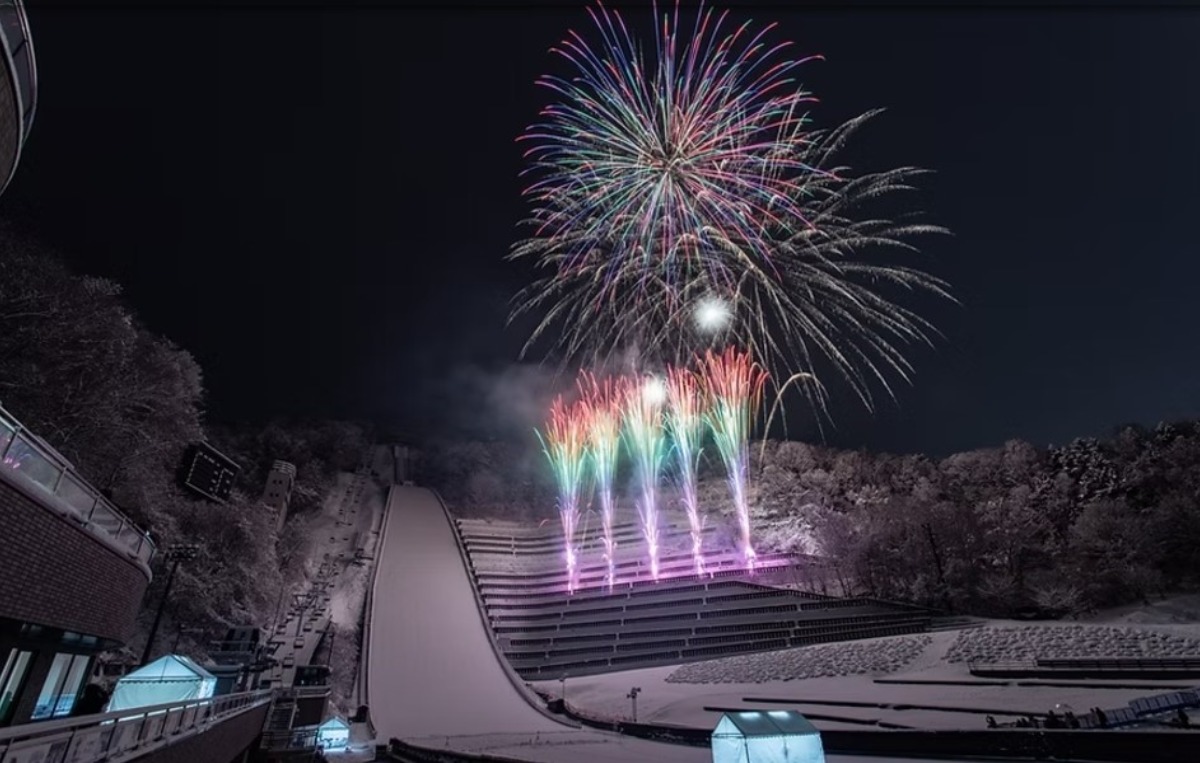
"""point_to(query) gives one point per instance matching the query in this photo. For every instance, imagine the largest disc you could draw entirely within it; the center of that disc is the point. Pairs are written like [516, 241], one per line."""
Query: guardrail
[122, 735]
[27, 460]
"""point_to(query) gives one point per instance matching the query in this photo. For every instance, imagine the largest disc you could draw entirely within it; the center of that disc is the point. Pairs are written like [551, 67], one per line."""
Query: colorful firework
[643, 411]
[733, 386]
[685, 425]
[565, 445]
[602, 412]
[685, 170]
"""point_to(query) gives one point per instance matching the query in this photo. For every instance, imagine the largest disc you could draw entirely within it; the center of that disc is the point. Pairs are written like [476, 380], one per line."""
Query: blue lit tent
[776, 736]
[172, 678]
[333, 734]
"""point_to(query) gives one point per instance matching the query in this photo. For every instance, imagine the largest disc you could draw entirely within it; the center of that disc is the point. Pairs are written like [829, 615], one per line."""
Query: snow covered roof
[171, 667]
[770, 723]
[334, 723]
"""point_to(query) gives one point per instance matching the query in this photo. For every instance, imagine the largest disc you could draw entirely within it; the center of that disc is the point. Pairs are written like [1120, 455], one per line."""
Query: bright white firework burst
[685, 169]
[654, 390]
[713, 314]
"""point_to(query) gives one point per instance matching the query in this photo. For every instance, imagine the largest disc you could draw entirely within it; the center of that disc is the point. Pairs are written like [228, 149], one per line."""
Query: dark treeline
[123, 404]
[997, 531]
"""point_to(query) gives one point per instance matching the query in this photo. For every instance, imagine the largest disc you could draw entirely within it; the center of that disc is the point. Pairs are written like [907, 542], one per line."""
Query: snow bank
[877, 656]
[1029, 642]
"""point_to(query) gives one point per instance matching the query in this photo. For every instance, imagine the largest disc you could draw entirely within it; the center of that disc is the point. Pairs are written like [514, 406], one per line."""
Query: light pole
[632, 695]
[303, 602]
[176, 553]
[278, 607]
[562, 689]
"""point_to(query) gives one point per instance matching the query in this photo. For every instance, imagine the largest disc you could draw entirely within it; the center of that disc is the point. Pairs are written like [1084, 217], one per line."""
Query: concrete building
[71, 583]
[18, 86]
[278, 491]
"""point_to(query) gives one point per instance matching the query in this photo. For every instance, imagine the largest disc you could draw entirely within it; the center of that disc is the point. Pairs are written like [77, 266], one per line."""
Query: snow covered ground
[874, 656]
[343, 527]
[1030, 642]
[913, 681]
[434, 678]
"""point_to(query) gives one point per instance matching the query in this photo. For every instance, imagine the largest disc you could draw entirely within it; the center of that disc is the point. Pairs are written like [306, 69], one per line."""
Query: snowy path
[434, 678]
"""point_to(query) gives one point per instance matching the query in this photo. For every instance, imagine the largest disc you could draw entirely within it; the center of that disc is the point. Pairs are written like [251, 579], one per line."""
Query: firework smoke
[733, 385]
[602, 413]
[685, 425]
[565, 445]
[643, 411]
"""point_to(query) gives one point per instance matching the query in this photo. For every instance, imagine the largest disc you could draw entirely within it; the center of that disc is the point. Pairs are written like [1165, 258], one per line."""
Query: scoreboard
[209, 472]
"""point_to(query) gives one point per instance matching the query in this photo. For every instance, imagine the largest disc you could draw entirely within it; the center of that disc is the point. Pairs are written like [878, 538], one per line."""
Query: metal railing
[27, 460]
[125, 734]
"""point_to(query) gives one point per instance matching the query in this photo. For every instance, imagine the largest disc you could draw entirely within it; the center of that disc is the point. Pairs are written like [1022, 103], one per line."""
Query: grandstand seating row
[638, 622]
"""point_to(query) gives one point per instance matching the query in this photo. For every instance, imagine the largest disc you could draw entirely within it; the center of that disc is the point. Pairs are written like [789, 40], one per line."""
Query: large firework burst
[675, 174]
[565, 445]
[602, 414]
[685, 424]
[733, 385]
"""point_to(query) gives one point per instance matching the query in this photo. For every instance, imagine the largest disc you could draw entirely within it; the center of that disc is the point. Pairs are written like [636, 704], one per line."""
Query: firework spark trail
[684, 167]
[602, 412]
[685, 425]
[700, 141]
[733, 387]
[643, 414]
[565, 445]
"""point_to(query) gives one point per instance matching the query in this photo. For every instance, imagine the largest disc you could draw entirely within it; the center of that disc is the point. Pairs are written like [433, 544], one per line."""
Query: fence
[123, 735]
[25, 458]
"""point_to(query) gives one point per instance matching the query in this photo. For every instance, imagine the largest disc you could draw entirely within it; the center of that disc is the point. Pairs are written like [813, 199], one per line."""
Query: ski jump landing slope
[434, 679]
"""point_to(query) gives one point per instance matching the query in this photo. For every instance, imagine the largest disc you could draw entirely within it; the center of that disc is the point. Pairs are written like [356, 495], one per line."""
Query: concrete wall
[224, 743]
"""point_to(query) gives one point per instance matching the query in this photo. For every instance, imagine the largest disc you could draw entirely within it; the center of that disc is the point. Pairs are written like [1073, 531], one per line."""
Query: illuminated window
[61, 687]
[10, 680]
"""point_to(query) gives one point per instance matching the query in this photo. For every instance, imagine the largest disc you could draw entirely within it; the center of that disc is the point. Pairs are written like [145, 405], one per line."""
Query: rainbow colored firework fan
[733, 385]
[685, 425]
[601, 407]
[647, 440]
[565, 445]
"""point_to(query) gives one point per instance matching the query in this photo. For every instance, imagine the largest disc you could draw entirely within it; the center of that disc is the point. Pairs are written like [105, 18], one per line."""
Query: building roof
[760, 723]
[171, 667]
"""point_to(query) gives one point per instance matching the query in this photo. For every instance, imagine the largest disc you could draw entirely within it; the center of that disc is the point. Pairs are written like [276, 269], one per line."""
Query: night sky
[317, 203]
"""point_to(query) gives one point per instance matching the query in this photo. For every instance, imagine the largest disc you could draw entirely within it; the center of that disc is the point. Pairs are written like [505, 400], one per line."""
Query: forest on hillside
[123, 404]
[997, 531]
[994, 531]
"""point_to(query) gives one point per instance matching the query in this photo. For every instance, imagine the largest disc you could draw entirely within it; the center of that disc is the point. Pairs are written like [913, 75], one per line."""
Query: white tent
[172, 678]
[333, 734]
[776, 736]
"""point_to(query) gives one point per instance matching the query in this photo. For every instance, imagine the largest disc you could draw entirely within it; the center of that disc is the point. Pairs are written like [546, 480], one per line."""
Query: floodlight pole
[562, 690]
[304, 602]
[633, 695]
[278, 607]
[176, 553]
